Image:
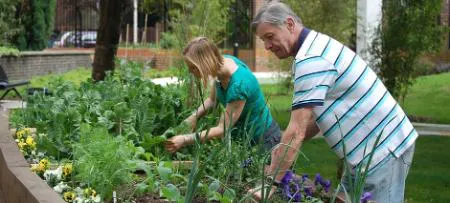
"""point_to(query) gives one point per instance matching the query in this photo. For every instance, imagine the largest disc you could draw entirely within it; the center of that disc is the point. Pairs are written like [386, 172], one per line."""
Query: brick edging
[17, 182]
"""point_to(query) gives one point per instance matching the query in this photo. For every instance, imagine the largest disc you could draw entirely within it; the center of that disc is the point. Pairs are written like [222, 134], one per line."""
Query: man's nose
[267, 45]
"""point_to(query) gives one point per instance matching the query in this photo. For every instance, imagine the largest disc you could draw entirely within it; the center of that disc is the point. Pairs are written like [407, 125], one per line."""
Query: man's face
[277, 39]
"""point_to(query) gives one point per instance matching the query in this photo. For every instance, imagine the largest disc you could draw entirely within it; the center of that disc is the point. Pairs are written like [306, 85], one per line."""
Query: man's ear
[290, 24]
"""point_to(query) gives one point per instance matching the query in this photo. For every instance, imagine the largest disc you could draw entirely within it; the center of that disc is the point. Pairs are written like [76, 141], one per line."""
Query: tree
[409, 29]
[111, 15]
[37, 17]
[9, 25]
[336, 18]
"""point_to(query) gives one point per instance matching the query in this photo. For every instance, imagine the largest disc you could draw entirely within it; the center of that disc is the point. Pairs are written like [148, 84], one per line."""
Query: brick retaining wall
[34, 63]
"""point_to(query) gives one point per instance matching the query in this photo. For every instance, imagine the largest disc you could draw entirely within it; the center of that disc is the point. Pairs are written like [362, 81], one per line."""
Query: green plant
[409, 29]
[124, 104]
[9, 25]
[168, 40]
[37, 17]
[8, 51]
[102, 161]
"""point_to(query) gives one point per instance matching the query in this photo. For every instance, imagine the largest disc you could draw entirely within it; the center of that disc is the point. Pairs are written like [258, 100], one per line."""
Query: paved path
[263, 78]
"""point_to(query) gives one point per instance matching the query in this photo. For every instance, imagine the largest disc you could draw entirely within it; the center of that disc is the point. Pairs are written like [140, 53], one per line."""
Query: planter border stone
[18, 183]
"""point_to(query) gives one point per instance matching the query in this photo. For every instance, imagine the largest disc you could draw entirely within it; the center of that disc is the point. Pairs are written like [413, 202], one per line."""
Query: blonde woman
[236, 88]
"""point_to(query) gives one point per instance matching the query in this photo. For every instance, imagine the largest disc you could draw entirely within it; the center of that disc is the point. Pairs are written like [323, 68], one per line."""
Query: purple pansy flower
[291, 187]
[246, 163]
[308, 191]
[304, 178]
[318, 179]
[326, 185]
[295, 195]
[366, 197]
[287, 177]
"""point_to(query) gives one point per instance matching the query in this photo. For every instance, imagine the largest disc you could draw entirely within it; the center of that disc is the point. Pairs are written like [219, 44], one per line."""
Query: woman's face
[193, 69]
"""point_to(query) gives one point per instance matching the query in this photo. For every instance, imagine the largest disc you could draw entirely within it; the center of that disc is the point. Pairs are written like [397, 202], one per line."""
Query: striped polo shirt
[352, 107]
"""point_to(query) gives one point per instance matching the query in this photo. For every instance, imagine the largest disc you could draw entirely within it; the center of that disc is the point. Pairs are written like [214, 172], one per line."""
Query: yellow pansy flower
[27, 131]
[21, 144]
[30, 140]
[67, 169]
[69, 196]
[35, 167]
[43, 164]
[19, 134]
[89, 192]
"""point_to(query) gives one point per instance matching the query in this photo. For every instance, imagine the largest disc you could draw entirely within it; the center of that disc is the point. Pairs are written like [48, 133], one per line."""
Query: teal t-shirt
[243, 85]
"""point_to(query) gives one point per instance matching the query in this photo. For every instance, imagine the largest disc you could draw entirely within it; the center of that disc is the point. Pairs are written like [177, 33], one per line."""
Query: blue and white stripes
[351, 105]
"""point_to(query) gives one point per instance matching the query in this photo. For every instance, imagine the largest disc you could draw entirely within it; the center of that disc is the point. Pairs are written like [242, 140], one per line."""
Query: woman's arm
[232, 113]
[203, 109]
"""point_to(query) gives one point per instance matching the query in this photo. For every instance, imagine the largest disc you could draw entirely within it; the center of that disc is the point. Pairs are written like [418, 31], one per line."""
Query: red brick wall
[262, 56]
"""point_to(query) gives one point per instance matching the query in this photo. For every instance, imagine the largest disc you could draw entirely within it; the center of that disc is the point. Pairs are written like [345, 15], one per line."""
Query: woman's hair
[204, 56]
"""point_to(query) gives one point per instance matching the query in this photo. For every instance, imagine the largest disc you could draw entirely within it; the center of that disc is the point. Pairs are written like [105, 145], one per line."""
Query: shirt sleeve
[238, 91]
[313, 77]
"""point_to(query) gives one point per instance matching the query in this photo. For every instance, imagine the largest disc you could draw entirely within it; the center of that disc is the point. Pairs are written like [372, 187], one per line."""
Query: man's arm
[301, 128]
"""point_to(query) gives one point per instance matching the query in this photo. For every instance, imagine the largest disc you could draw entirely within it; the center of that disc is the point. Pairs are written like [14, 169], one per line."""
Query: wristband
[274, 182]
[189, 138]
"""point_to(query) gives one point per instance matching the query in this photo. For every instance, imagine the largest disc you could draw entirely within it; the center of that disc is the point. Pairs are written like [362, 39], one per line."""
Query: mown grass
[429, 98]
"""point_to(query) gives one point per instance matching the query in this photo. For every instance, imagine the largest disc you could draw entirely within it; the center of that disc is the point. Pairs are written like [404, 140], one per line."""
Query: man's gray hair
[275, 13]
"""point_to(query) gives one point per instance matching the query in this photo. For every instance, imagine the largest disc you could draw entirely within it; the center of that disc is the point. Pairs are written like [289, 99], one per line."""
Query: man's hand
[175, 143]
[257, 193]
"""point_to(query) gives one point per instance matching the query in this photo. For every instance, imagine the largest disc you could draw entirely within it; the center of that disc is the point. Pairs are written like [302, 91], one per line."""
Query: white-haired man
[336, 92]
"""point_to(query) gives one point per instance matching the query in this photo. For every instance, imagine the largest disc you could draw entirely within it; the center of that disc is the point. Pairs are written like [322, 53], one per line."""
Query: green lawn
[428, 180]
[429, 97]
[279, 99]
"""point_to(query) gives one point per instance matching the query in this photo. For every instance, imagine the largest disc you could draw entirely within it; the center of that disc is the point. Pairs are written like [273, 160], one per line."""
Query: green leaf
[229, 194]
[214, 186]
[164, 173]
[170, 192]
[142, 188]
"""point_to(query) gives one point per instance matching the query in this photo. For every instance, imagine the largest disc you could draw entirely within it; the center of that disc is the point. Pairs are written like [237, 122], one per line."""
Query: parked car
[68, 39]
[61, 39]
[88, 39]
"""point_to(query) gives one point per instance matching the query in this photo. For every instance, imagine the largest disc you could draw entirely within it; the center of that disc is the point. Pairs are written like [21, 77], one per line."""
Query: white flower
[57, 173]
[60, 187]
[96, 198]
[79, 200]
[78, 191]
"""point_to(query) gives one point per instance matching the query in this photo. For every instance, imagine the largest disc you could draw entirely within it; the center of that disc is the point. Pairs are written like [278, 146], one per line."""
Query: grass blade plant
[357, 179]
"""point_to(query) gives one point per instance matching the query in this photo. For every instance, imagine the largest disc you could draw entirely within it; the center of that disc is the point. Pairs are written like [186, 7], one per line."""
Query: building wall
[262, 56]
[35, 63]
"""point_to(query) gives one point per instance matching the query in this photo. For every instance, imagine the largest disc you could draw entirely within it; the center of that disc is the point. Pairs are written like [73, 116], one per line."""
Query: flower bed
[103, 142]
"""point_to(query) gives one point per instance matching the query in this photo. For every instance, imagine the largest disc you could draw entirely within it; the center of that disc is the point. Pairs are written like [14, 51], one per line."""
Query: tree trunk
[144, 34]
[111, 12]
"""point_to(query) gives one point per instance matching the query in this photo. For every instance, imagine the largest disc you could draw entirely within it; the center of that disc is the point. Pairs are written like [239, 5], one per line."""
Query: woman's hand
[175, 143]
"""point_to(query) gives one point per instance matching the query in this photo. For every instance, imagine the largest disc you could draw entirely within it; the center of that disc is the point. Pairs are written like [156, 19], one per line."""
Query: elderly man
[336, 92]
